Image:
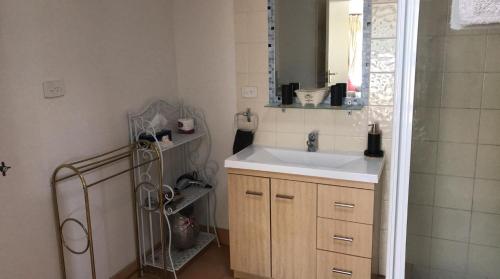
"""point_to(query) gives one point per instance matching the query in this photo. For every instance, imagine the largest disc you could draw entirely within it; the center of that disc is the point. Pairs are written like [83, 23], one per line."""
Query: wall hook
[4, 168]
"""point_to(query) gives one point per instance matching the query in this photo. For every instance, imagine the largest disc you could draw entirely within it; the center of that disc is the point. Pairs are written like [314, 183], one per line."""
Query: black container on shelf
[337, 92]
[286, 94]
[295, 86]
[374, 148]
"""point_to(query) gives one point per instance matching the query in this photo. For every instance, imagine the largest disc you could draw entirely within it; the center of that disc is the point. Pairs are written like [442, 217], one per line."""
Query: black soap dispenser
[374, 142]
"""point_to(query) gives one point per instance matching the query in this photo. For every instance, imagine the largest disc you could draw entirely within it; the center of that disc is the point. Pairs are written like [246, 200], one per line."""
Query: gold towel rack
[81, 168]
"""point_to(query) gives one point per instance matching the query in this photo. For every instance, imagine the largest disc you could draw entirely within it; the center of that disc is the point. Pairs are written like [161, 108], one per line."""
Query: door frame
[406, 53]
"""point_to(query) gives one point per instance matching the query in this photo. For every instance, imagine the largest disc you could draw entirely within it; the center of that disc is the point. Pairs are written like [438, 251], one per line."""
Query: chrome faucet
[312, 141]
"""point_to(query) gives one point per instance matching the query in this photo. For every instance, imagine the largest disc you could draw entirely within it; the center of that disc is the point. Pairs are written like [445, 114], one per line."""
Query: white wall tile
[425, 123]
[488, 162]
[383, 55]
[430, 54]
[351, 124]
[381, 89]
[242, 58]
[487, 196]
[257, 58]
[265, 138]
[292, 120]
[349, 143]
[465, 53]
[462, 90]
[250, 6]
[326, 143]
[428, 89]
[491, 98]
[459, 125]
[420, 220]
[384, 20]
[451, 224]
[260, 81]
[382, 116]
[257, 27]
[241, 27]
[422, 188]
[432, 19]
[456, 159]
[484, 261]
[449, 255]
[492, 53]
[423, 156]
[454, 192]
[418, 250]
[291, 140]
[321, 120]
[485, 229]
[489, 131]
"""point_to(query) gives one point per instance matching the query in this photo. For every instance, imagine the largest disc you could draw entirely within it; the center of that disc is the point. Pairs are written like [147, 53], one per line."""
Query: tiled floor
[213, 263]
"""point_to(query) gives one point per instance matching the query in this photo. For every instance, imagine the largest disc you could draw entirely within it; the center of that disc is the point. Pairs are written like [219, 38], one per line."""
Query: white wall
[205, 54]
[114, 56]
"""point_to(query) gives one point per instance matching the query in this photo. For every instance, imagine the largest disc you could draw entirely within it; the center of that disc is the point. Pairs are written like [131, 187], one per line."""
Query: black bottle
[338, 93]
[286, 94]
[374, 142]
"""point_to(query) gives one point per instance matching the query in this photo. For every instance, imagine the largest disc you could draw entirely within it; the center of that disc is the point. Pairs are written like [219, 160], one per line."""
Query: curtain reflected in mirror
[345, 43]
[355, 41]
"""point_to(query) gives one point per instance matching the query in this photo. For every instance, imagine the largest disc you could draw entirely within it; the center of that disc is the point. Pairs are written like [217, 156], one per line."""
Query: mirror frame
[367, 35]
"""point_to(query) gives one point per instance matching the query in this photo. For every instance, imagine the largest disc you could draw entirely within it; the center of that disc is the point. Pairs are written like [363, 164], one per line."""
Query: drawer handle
[253, 193]
[280, 196]
[341, 271]
[345, 205]
[343, 238]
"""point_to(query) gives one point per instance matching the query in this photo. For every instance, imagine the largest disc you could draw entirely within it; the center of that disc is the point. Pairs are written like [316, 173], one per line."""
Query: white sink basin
[345, 166]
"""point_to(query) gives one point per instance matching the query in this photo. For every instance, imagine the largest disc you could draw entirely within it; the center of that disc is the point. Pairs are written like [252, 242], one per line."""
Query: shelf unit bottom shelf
[181, 257]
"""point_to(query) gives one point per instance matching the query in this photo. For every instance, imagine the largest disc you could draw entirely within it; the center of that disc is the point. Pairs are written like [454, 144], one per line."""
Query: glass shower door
[454, 202]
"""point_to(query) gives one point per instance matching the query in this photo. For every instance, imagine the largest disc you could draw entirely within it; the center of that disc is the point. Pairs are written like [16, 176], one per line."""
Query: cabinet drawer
[345, 237]
[337, 266]
[348, 204]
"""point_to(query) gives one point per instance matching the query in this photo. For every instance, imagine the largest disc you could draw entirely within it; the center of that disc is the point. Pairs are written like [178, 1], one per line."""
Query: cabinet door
[293, 229]
[249, 224]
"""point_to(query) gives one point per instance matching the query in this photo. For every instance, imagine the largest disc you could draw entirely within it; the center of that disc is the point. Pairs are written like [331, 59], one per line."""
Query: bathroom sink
[345, 166]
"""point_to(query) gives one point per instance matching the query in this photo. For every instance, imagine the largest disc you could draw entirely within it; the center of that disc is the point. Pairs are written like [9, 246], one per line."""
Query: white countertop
[344, 166]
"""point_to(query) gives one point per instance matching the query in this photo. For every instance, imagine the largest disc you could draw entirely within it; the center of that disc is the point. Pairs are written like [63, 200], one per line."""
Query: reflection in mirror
[317, 44]
[344, 43]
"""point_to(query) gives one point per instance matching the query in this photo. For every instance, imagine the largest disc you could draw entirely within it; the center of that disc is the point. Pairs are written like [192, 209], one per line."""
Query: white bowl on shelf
[312, 96]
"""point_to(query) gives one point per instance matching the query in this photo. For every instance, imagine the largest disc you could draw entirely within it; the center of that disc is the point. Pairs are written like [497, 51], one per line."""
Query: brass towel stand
[79, 169]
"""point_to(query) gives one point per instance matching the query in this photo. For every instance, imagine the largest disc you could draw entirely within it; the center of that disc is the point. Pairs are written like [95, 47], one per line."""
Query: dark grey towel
[242, 139]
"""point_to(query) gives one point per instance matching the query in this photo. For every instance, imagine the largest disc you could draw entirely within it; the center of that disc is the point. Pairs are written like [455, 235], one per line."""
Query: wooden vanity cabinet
[293, 229]
[250, 224]
[286, 226]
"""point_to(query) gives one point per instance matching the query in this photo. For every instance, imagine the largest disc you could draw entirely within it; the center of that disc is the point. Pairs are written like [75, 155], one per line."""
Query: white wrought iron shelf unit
[186, 153]
[179, 139]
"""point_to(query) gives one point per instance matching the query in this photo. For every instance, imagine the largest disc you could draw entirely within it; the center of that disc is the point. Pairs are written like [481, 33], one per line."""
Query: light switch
[53, 88]
[249, 92]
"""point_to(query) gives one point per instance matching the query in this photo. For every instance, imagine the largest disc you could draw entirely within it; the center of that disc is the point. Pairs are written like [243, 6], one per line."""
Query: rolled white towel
[474, 12]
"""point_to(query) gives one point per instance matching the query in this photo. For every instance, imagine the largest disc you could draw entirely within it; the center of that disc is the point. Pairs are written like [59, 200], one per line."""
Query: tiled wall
[454, 213]
[339, 131]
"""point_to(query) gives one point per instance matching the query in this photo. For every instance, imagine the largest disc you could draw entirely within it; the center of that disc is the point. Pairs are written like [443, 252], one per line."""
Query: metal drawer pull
[253, 193]
[343, 238]
[341, 271]
[279, 196]
[346, 205]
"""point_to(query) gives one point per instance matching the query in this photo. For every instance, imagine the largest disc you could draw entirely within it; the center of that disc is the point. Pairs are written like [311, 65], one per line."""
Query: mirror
[319, 43]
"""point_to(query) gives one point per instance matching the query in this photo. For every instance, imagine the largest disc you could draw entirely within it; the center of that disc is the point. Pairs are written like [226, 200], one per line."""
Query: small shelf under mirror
[320, 106]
